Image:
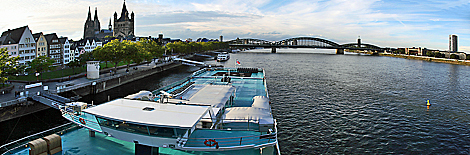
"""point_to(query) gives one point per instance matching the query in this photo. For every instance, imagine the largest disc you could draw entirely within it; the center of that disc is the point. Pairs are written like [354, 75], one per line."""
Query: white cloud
[396, 23]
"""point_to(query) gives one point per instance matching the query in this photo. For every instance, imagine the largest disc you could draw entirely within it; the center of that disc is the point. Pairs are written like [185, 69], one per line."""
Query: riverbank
[432, 59]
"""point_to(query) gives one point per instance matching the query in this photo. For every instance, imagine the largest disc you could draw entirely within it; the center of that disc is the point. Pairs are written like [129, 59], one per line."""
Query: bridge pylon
[273, 49]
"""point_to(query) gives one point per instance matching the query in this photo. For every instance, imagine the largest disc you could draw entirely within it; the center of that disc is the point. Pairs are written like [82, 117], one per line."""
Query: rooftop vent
[148, 109]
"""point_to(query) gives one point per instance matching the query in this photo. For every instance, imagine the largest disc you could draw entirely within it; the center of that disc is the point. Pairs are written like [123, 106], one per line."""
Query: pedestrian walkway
[9, 98]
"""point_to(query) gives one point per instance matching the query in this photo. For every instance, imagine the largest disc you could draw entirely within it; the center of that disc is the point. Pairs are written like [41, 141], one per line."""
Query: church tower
[96, 21]
[91, 26]
[124, 26]
[110, 27]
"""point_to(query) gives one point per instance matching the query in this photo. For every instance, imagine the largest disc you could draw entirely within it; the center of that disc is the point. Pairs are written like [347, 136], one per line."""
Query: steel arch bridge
[302, 42]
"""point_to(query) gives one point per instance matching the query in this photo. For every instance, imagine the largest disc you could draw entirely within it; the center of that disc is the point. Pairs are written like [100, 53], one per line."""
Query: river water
[358, 104]
[352, 104]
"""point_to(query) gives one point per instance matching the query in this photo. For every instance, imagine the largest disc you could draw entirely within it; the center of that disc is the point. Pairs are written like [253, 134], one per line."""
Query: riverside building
[453, 45]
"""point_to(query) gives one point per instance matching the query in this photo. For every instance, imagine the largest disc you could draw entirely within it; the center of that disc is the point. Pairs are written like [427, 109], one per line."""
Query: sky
[386, 23]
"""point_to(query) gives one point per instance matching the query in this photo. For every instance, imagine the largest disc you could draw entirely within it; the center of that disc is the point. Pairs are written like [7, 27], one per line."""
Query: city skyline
[384, 23]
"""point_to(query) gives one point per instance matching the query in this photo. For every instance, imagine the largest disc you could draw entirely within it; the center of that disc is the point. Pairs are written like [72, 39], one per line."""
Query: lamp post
[37, 76]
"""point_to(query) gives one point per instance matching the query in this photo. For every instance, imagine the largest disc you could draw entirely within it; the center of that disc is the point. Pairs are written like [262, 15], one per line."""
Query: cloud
[384, 23]
[465, 49]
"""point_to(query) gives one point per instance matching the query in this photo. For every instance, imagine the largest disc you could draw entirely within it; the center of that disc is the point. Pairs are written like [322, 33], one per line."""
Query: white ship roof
[242, 114]
[184, 116]
[206, 94]
[259, 111]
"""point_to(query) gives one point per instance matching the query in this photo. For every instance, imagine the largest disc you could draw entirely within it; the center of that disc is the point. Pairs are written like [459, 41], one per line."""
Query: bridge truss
[302, 42]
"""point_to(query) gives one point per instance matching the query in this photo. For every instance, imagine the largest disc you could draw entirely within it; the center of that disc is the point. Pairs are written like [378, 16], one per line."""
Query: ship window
[180, 132]
[133, 128]
[141, 129]
[162, 132]
[106, 123]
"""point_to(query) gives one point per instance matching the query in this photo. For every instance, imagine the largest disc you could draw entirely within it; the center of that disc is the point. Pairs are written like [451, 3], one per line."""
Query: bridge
[304, 42]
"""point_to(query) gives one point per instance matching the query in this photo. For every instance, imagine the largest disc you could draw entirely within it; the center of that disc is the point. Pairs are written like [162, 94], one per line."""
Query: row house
[41, 44]
[86, 45]
[54, 48]
[19, 42]
[65, 49]
[74, 52]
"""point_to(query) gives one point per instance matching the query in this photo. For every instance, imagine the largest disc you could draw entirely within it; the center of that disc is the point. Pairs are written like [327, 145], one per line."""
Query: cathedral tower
[91, 26]
[124, 26]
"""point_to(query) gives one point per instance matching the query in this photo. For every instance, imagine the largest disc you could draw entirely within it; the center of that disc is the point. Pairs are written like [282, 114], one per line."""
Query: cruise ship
[213, 111]
[223, 56]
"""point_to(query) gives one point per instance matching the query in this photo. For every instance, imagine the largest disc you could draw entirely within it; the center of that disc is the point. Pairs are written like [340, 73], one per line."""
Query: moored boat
[223, 56]
[215, 110]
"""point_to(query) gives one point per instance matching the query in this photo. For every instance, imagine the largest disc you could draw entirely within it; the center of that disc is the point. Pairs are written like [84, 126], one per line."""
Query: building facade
[54, 49]
[65, 48]
[20, 42]
[123, 26]
[41, 44]
[453, 45]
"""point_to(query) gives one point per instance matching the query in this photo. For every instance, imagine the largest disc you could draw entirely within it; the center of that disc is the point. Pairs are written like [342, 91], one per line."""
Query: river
[352, 104]
[359, 104]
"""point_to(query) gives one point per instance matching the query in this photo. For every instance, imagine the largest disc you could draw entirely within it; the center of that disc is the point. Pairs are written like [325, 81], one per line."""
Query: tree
[8, 65]
[143, 51]
[156, 50]
[116, 53]
[101, 54]
[87, 56]
[74, 64]
[41, 64]
[454, 56]
[129, 52]
[430, 54]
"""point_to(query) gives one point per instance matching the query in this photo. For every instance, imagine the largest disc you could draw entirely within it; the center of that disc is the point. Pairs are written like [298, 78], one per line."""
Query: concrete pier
[91, 133]
[339, 51]
[273, 50]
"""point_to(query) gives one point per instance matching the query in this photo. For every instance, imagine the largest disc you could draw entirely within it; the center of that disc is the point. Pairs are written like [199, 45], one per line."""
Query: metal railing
[89, 83]
[228, 141]
[7, 148]
[88, 123]
[47, 101]
[12, 102]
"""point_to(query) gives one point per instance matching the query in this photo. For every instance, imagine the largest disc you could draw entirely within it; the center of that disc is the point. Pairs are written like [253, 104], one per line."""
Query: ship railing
[199, 72]
[9, 147]
[241, 124]
[83, 121]
[211, 143]
[174, 84]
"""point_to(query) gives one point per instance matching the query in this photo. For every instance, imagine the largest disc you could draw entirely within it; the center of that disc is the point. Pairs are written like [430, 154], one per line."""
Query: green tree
[430, 54]
[130, 52]
[74, 64]
[454, 56]
[468, 57]
[195, 47]
[8, 65]
[87, 56]
[41, 64]
[116, 52]
[156, 50]
[102, 54]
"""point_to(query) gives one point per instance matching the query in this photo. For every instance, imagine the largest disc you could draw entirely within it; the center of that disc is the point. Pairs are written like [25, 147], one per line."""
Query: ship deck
[78, 142]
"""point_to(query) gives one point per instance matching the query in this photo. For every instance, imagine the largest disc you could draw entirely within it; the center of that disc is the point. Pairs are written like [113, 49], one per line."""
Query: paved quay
[9, 98]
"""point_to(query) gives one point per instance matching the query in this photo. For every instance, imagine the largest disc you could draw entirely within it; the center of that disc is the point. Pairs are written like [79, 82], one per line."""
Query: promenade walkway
[10, 99]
